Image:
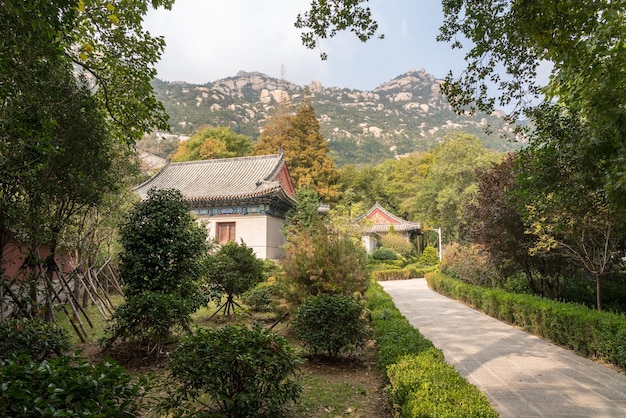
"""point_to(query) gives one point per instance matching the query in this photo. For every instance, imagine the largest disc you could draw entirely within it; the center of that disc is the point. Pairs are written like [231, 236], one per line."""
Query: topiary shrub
[244, 372]
[33, 337]
[429, 257]
[384, 254]
[329, 323]
[233, 270]
[161, 264]
[68, 387]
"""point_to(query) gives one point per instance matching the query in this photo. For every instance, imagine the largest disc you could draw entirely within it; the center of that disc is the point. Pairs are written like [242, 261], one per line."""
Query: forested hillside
[402, 115]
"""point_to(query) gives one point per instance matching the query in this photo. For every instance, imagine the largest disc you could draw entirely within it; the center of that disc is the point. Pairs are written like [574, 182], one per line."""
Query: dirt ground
[360, 373]
[355, 375]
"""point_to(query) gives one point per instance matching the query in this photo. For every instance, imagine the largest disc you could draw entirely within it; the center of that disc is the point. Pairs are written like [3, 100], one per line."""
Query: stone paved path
[523, 375]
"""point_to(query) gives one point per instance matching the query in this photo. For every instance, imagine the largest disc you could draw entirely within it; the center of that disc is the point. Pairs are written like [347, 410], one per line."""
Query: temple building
[243, 198]
[379, 221]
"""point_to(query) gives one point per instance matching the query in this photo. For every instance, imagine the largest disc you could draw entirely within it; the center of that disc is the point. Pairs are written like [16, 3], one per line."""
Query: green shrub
[382, 275]
[384, 254]
[34, 337]
[244, 372]
[397, 243]
[67, 387]
[429, 257]
[263, 297]
[150, 318]
[329, 323]
[322, 261]
[470, 264]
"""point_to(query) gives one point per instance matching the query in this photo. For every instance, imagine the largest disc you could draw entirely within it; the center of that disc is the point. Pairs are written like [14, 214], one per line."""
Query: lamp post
[439, 236]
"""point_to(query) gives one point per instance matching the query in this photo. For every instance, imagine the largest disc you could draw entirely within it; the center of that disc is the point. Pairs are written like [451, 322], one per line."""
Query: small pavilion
[379, 221]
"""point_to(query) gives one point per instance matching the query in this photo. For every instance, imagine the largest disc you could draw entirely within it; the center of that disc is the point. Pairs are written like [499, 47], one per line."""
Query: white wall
[369, 242]
[262, 233]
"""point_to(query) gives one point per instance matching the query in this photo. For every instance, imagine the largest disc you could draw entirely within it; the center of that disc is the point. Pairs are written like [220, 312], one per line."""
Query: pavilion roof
[225, 179]
[383, 220]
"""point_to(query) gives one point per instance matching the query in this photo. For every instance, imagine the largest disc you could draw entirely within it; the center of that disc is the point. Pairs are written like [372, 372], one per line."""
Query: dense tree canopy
[495, 221]
[564, 201]
[214, 142]
[450, 183]
[583, 42]
[75, 93]
[431, 187]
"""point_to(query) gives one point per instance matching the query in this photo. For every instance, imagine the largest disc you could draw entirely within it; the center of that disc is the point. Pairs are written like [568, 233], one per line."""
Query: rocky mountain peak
[405, 114]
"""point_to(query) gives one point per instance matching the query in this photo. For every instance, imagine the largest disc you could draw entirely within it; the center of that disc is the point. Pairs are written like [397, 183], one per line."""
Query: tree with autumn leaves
[306, 151]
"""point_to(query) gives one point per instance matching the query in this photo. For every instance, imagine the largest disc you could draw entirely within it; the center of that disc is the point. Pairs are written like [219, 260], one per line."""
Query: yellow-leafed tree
[306, 152]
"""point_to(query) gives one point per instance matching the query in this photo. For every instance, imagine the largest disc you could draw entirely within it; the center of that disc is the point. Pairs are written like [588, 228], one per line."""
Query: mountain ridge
[405, 114]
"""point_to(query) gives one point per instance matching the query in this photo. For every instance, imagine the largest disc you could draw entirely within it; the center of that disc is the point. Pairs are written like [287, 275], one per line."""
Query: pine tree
[277, 133]
[306, 152]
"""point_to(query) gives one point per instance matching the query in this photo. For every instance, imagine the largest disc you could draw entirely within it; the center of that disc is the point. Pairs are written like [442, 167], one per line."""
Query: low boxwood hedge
[421, 383]
[382, 275]
[586, 331]
[420, 271]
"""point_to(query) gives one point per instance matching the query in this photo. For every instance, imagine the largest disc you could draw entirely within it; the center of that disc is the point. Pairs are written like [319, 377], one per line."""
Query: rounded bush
[245, 372]
[329, 323]
[429, 257]
[384, 254]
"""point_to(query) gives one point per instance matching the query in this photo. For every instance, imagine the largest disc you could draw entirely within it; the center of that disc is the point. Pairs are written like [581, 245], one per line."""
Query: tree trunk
[599, 291]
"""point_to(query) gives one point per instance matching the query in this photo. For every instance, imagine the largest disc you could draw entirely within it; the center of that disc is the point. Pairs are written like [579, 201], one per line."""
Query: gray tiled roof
[399, 224]
[241, 177]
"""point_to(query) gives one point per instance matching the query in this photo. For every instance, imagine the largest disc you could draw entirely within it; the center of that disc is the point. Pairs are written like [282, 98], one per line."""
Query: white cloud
[212, 39]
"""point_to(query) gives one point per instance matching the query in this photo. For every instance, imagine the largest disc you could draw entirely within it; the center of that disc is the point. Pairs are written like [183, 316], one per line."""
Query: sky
[208, 40]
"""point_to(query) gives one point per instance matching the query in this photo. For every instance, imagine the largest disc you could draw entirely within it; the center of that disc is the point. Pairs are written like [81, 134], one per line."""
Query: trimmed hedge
[421, 383]
[586, 331]
[384, 254]
[420, 271]
[408, 272]
[382, 275]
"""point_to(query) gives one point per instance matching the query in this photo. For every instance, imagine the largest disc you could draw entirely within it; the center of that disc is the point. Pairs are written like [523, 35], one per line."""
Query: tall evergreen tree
[306, 152]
